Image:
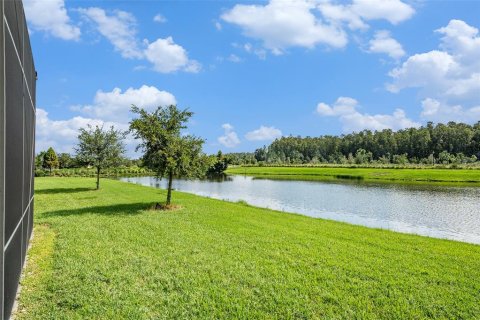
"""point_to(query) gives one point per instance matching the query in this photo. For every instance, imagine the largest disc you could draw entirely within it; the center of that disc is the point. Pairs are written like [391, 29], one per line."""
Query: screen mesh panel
[13, 139]
[18, 146]
[12, 269]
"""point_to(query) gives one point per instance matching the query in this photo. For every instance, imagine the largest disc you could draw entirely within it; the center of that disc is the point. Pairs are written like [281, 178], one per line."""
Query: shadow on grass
[63, 190]
[111, 210]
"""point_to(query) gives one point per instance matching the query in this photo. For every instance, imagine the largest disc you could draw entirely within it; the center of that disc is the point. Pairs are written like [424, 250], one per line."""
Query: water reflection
[450, 212]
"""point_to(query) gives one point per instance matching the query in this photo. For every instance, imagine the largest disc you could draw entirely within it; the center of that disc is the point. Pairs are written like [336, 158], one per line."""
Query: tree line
[430, 144]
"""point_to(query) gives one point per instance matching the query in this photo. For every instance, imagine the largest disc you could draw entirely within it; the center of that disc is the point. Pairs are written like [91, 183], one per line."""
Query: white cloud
[264, 134]
[50, 17]
[167, 56]
[230, 138]
[115, 105]
[355, 13]
[218, 26]
[429, 70]
[62, 134]
[281, 24]
[119, 28]
[259, 52]
[384, 43]
[345, 108]
[449, 76]
[463, 42]
[394, 11]
[434, 110]
[337, 13]
[159, 18]
[234, 58]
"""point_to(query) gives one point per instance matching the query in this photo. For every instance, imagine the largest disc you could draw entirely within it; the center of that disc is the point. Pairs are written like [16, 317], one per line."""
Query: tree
[261, 154]
[65, 160]
[100, 148]
[218, 165]
[39, 160]
[50, 159]
[362, 156]
[166, 150]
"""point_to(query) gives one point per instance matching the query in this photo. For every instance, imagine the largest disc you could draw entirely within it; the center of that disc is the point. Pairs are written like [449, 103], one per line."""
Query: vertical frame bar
[2, 157]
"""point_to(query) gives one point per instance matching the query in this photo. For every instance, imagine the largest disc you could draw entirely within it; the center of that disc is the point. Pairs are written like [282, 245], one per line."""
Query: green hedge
[91, 172]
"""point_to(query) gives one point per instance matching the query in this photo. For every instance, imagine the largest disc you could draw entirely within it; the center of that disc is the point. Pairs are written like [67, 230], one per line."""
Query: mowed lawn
[373, 174]
[101, 255]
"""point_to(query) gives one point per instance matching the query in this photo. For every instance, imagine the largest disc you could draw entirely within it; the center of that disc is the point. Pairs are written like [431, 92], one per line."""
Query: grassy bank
[101, 255]
[369, 174]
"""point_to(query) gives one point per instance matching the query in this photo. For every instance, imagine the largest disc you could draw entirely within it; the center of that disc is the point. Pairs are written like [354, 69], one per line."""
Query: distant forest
[451, 143]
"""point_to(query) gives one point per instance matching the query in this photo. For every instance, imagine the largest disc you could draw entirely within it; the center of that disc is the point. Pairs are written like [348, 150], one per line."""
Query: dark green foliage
[220, 164]
[39, 160]
[414, 145]
[237, 158]
[65, 160]
[166, 151]
[50, 159]
[121, 171]
[100, 148]
[362, 156]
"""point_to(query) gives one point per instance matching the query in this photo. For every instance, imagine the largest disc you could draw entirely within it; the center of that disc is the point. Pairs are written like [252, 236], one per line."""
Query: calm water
[436, 211]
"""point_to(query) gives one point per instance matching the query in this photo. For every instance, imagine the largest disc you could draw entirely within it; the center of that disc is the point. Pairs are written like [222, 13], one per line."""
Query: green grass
[368, 174]
[100, 255]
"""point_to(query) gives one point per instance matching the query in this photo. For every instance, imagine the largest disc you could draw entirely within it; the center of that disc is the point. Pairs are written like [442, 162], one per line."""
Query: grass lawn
[372, 174]
[100, 255]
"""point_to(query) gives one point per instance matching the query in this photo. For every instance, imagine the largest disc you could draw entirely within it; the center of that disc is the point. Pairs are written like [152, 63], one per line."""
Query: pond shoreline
[446, 212]
[392, 175]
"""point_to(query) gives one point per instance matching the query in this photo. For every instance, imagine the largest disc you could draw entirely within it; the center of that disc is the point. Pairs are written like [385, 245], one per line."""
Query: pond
[450, 212]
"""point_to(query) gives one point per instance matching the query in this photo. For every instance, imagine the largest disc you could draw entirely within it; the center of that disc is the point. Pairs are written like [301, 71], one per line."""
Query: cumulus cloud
[264, 134]
[115, 105]
[345, 109]
[431, 70]
[394, 11]
[382, 42]
[119, 27]
[159, 18]
[303, 23]
[167, 56]
[355, 14]
[282, 24]
[50, 17]
[62, 134]
[434, 110]
[230, 138]
[449, 75]
[337, 13]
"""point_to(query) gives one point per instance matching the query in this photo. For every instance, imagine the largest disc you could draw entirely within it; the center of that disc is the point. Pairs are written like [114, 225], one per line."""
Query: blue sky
[253, 71]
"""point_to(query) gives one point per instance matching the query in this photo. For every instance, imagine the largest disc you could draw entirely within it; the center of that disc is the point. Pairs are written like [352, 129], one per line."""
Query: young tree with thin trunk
[166, 151]
[50, 159]
[100, 148]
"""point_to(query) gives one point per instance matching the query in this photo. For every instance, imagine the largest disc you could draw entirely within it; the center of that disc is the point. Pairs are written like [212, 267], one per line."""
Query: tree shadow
[112, 210]
[62, 190]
